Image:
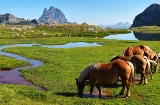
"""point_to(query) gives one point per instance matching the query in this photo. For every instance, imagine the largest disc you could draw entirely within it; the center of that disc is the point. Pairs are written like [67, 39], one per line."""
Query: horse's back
[137, 50]
[125, 58]
[128, 51]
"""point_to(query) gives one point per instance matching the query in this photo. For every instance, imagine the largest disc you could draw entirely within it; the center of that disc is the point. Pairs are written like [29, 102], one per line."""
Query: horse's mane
[86, 72]
[112, 59]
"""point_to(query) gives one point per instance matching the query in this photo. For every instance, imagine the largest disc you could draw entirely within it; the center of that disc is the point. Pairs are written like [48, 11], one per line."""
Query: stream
[14, 76]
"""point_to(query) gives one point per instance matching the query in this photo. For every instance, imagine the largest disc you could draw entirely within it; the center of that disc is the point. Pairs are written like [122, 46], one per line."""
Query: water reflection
[147, 36]
[135, 36]
[72, 45]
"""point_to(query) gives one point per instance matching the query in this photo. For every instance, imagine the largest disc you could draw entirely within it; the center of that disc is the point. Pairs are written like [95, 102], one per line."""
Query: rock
[149, 17]
[9, 18]
[53, 15]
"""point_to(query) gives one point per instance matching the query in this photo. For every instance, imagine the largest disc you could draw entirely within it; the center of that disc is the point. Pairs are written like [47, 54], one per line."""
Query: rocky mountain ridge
[120, 25]
[9, 18]
[149, 17]
[53, 15]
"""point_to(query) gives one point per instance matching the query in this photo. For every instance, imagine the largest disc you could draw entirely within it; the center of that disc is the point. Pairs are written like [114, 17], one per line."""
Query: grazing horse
[137, 50]
[139, 62]
[106, 74]
[143, 51]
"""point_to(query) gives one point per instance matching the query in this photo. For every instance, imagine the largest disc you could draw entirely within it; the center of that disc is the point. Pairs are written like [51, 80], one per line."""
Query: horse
[139, 62]
[143, 50]
[106, 74]
[137, 50]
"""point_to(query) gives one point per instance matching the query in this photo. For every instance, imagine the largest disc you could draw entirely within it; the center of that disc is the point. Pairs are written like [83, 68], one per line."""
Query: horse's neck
[83, 76]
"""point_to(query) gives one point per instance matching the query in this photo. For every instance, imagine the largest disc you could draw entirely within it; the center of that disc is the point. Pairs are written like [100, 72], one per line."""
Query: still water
[135, 36]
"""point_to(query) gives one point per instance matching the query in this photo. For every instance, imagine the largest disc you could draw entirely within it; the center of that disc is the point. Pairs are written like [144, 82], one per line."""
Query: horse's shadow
[66, 94]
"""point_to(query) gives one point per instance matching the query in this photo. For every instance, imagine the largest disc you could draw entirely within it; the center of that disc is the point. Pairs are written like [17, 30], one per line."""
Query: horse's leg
[143, 76]
[150, 72]
[141, 79]
[145, 79]
[123, 88]
[91, 90]
[99, 90]
[128, 88]
[151, 67]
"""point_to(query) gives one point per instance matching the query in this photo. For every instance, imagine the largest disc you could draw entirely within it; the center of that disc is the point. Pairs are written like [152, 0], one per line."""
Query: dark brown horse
[139, 62]
[106, 74]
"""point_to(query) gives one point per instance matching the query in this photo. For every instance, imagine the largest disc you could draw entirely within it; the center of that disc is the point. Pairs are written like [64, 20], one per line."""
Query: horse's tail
[131, 77]
[155, 63]
[148, 67]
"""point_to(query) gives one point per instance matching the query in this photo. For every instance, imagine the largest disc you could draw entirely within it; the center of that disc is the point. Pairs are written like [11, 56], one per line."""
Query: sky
[94, 12]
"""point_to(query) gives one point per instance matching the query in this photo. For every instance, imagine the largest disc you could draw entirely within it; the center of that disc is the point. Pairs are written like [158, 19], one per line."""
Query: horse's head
[80, 87]
[155, 57]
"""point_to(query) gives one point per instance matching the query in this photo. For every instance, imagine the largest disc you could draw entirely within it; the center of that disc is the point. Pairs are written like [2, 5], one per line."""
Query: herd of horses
[123, 67]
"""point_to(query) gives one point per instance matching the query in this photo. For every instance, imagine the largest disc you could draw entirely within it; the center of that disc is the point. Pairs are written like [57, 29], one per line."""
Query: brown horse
[137, 50]
[140, 63]
[143, 51]
[106, 74]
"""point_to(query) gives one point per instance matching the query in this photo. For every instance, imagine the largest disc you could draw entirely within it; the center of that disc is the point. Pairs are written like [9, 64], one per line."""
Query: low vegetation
[55, 30]
[147, 29]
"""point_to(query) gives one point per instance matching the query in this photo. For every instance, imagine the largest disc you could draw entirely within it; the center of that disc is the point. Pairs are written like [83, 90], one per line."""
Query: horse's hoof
[100, 97]
[90, 96]
[140, 83]
[126, 96]
[121, 94]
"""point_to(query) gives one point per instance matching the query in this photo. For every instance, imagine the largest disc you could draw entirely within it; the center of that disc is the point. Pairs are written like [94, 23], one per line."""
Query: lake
[135, 36]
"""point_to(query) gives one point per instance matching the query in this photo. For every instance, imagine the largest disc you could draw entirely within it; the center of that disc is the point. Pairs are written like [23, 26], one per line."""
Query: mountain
[149, 17]
[53, 15]
[119, 25]
[9, 18]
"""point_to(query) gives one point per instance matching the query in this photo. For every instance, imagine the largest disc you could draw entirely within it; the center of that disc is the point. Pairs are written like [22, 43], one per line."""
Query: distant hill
[149, 17]
[119, 25]
[9, 18]
[53, 15]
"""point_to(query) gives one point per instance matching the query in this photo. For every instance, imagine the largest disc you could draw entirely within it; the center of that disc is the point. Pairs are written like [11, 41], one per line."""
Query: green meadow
[62, 65]
[147, 29]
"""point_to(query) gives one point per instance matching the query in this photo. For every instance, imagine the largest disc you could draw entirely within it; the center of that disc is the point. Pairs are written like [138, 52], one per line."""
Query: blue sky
[90, 11]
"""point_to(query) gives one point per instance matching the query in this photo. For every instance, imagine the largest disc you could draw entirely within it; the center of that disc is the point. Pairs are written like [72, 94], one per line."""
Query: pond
[135, 36]
[14, 76]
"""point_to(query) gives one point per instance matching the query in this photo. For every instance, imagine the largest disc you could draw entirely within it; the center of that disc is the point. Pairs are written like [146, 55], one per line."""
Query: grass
[8, 63]
[56, 30]
[60, 68]
[147, 29]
